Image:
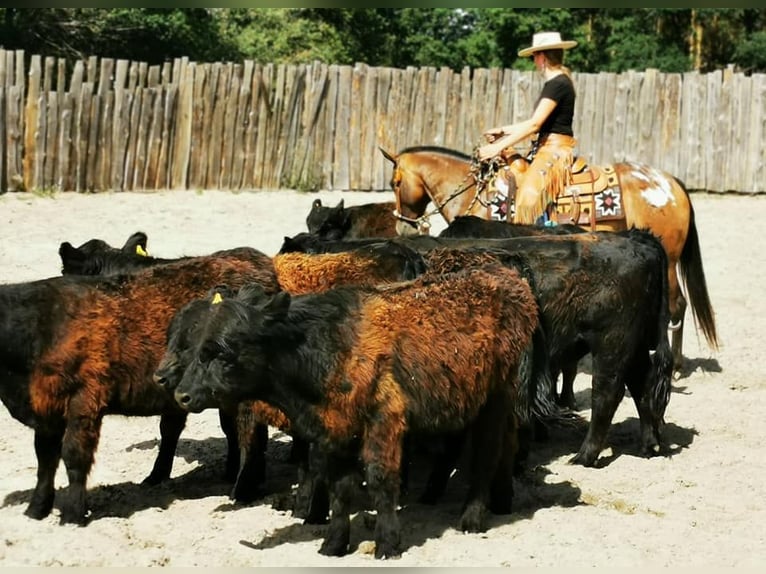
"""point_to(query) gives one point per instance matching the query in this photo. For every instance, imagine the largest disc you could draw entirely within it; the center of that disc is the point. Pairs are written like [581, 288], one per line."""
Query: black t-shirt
[561, 90]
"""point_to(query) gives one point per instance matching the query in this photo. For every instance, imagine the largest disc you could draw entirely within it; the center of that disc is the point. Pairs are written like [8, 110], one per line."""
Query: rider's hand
[492, 134]
[489, 151]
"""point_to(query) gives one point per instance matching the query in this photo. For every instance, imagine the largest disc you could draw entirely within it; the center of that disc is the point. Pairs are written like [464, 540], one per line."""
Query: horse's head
[410, 195]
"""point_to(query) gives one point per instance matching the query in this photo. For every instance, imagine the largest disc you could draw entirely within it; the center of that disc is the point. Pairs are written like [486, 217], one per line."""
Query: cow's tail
[537, 388]
[658, 392]
[692, 276]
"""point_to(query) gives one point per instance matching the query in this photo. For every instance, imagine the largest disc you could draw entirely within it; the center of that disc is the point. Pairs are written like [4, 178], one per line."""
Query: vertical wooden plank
[621, 117]
[648, 118]
[265, 76]
[291, 78]
[15, 168]
[342, 127]
[466, 135]
[64, 173]
[215, 147]
[3, 123]
[51, 142]
[307, 167]
[40, 131]
[251, 127]
[137, 95]
[229, 126]
[184, 78]
[358, 110]
[694, 124]
[199, 143]
[81, 132]
[670, 119]
[242, 120]
[93, 175]
[333, 81]
[140, 174]
[120, 143]
[153, 142]
[32, 113]
[170, 93]
[380, 165]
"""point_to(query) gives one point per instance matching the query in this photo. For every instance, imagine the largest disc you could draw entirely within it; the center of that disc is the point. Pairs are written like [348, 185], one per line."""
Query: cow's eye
[209, 351]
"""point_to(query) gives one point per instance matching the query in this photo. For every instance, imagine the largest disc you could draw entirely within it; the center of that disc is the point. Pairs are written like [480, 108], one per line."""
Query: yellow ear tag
[216, 299]
[140, 251]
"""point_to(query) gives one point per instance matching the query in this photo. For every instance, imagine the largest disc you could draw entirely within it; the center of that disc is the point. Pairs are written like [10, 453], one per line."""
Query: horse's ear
[387, 155]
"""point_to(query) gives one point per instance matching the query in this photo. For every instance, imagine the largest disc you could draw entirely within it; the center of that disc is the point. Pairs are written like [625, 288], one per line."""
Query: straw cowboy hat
[546, 41]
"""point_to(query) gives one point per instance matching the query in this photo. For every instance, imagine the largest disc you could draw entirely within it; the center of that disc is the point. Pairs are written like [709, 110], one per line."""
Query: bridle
[480, 173]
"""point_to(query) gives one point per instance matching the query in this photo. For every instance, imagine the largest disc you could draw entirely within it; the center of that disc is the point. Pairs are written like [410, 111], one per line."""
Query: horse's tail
[692, 275]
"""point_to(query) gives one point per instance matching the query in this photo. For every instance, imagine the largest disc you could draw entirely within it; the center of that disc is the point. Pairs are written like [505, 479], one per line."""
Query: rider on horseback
[553, 149]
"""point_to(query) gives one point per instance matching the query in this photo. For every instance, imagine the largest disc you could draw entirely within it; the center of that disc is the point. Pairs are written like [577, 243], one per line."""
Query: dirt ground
[704, 505]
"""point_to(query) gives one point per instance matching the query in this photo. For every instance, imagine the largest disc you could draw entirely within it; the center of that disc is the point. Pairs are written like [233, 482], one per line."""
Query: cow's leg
[171, 425]
[228, 423]
[488, 438]
[640, 381]
[253, 438]
[342, 478]
[566, 396]
[312, 499]
[501, 493]
[48, 452]
[607, 392]
[443, 464]
[79, 446]
[382, 456]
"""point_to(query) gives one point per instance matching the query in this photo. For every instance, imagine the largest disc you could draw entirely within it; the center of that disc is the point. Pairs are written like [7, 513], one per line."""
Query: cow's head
[218, 352]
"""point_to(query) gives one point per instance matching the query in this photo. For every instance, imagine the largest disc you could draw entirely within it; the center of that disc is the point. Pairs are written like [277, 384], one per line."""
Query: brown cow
[356, 368]
[76, 348]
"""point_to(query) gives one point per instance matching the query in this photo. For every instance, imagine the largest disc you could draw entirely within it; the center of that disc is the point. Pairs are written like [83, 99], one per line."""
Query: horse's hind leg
[677, 304]
[48, 451]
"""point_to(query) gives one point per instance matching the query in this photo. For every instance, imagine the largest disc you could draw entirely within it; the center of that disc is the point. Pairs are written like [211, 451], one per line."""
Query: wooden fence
[103, 124]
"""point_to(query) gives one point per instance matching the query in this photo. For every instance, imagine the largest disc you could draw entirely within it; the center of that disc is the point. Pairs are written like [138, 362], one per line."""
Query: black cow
[477, 227]
[75, 348]
[245, 426]
[355, 368]
[605, 293]
[357, 221]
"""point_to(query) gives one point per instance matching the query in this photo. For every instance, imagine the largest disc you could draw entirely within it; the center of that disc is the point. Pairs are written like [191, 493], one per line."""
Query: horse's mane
[436, 149]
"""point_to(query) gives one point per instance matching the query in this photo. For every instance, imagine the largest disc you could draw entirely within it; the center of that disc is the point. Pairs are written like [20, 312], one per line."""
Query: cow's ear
[317, 204]
[219, 293]
[251, 294]
[137, 243]
[340, 205]
[276, 308]
[69, 255]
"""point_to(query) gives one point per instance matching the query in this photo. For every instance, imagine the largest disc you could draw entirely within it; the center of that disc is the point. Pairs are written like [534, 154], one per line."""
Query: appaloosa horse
[610, 197]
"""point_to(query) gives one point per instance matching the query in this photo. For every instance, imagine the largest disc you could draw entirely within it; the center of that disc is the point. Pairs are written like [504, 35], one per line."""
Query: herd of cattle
[364, 347]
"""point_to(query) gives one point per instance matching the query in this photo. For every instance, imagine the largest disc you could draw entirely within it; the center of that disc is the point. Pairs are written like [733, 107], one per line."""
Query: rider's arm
[514, 133]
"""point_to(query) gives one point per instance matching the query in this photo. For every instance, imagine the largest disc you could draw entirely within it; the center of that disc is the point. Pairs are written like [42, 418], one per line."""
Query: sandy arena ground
[704, 505]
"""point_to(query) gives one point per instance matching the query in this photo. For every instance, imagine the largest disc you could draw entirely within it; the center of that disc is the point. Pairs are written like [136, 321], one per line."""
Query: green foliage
[609, 39]
[750, 54]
